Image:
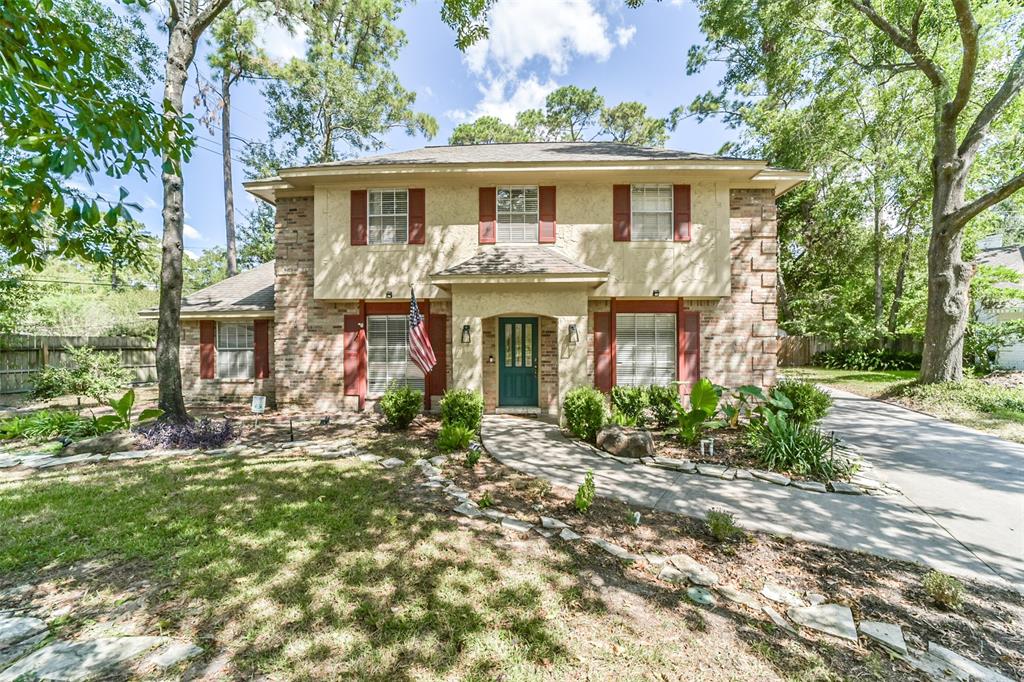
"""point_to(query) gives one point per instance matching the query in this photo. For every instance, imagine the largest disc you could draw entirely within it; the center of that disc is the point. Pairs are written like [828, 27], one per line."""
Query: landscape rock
[655, 560]
[966, 666]
[701, 595]
[392, 463]
[438, 460]
[846, 488]
[770, 476]
[832, 619]
[115, 441]
[549, 522]
[9, 462]
[781, 595]
[778, 619]
[623, 442]
[79, 661]
[738, 596]
[886, 634]
[514, 524]
[36, 461]
[616, 551]
[173, 654]
[72, 459]
[814, 598]
[16, 629]
[674, 464]
[716, 470]
[569, 535]
[545, 532]
[865, 482]
[743, 474]
[671, 574]
[729, 474]
[494, 514]
[813, 486]
[466, 509]
[129, 454]
[369, 459]
[696, 572]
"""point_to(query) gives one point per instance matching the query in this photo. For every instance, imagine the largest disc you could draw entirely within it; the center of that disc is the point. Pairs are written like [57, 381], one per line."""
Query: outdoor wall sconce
[465, 333]
[490, 359]
[574, 334]
[656, 292]
[387, 294]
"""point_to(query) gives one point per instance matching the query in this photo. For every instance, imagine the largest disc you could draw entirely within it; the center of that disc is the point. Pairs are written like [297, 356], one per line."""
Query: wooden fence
[797, 351]
[23, 356]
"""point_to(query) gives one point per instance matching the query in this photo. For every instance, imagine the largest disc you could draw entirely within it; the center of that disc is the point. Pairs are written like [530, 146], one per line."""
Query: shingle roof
[248, 291]
[528, 152]
[1004, 256]
[519, 260]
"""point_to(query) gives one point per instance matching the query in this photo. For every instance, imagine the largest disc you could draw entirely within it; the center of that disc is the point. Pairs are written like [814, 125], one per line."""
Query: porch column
[572, 357]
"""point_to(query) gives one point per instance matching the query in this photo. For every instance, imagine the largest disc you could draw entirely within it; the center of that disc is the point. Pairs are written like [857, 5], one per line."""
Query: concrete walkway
[970, 483]
[886, 526]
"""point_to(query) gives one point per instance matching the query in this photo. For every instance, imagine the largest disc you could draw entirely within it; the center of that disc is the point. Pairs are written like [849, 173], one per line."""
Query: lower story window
[645, 349]
[235, 350]
[387, 345]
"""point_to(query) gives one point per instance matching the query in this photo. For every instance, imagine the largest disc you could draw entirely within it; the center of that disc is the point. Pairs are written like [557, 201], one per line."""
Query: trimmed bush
[585, 412]
[665, 405]
[400, 405]
[460, 407]
[454, 437]
[632, 403]
[810, 403]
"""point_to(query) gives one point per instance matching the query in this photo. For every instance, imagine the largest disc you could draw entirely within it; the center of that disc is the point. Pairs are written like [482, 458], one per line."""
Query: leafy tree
[628, 122]
[571, 110]
[256, 235]
[486, 130]
[205, 270]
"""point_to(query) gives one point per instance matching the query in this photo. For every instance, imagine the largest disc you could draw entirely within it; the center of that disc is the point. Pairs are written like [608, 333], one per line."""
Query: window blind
[518, 214]
[235, 341]
[387, 347]
[645, 349]
[652, 212]
[388, 216]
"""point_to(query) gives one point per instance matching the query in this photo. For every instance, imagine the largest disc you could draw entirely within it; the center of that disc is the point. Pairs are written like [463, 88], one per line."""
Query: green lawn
[972, 402]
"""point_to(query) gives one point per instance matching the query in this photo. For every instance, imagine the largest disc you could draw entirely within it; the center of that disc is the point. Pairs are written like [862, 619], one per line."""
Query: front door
[517, 362]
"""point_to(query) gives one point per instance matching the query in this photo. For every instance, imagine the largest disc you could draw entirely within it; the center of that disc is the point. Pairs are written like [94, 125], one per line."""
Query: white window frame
[399, 228]
[517, 227]
[387, 355]
[639, 232]
[644, 361]
[236, 351]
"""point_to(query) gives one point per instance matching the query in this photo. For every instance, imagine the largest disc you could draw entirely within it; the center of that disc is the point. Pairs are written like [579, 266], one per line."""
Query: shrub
[472, 457]
[485, 501]
[874, 359]
[585, 412]
[585, 493]
[123, 410]
[49, 424]
[703, 406]
[632, 402]
[205, 434]
[89, 373]
[722, 525]
[782, 444]
[460, 407]
[400, 405]
[621, 419]
[970, 393]
[454, 437]
[664, 404]
[810, 403]
[944, 590]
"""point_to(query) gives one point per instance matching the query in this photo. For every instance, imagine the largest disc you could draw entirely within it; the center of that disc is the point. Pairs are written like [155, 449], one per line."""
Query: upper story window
[518, 214]
[652, 212]
[235, 346]
[388, 216]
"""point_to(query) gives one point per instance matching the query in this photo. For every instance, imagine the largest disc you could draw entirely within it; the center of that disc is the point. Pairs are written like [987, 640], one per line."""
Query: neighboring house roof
[1004, 256]
[519, 261]
[247, 294]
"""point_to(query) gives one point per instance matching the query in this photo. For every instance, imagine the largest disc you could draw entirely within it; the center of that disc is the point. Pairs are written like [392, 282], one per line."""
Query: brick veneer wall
[217, 389]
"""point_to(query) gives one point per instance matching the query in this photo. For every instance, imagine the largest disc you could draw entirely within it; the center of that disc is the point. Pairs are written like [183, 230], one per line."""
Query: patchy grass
[998, 410]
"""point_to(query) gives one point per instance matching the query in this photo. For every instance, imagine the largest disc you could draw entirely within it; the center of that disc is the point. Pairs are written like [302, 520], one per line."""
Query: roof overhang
[589, 279]
[153, 313]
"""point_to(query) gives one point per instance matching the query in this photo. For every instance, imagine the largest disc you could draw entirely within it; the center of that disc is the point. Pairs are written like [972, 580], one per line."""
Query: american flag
[419, 344]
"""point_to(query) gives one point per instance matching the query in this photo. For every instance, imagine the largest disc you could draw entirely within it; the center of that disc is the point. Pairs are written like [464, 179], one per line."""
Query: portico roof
[527, 262]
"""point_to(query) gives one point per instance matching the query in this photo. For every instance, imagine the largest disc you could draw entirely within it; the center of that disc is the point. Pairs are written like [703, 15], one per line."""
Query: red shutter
[417, 216]
[207, 349]
[621, 218]
[488, 215]
[603, 351]
[688, 328]
[681, 206]
[438, 332]
[355, 357]
[546, 231]
[358, 214]
[261, 348]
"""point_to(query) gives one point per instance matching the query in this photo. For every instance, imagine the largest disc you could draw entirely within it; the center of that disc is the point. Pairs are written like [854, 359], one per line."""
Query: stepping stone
[430, 471]
[16, 629]
[569, 535]
[715, 470]
[832, 619]
[729, 474]
[72, 459]
[545, 532]
[469, 510]
[738, 596]
[671, 574]
[438, 460]
[393, 463]
[36, 461]
[494, 514]
[79, 661]
[456, 491]
[813, 486]
[513, 524]
[9, 462]
[701, 595]
[696, 572]
[964, 665]
[369, 459]
[770, 476]
[549, 522]
[173, 654]
[743, 475]
[846, 488]
[616, 551]
[779, 620]
[781, 595]
[888, 635]
[674, 464]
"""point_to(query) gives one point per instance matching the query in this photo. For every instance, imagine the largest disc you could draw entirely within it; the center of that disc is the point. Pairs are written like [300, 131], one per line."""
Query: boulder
[622, 442]
[115, 441]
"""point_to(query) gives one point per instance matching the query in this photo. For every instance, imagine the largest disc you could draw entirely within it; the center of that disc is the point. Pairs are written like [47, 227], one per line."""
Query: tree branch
[203, 18]
[989, 199]
[1011, 86]
[906, 42]
[969, 63]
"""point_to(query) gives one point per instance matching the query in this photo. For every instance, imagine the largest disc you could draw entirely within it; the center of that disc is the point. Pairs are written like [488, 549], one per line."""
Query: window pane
[388, 355]
[652, 212]
[645, 350]
[388, 216]
[518, 345]
[528, 345]
[517, 214]
[508, 345]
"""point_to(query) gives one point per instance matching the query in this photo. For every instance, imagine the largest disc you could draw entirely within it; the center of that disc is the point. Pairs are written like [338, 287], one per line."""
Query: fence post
[44, 353]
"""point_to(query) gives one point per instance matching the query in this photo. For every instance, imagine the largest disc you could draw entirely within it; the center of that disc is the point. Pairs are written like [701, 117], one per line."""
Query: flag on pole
[420, 350]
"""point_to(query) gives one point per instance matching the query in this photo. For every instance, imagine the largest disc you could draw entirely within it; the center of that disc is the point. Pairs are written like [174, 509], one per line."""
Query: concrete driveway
[968, 482]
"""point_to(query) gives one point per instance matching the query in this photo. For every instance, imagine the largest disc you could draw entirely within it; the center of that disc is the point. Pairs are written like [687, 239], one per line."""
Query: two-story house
[538, 267]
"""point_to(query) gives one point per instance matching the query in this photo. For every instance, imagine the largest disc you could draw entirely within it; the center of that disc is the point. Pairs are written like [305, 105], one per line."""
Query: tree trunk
[180, 52]
[877, 216]
[229, 197]
[901, 278]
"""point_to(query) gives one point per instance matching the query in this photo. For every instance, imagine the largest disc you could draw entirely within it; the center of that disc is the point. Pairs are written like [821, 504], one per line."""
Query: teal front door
[517, 362]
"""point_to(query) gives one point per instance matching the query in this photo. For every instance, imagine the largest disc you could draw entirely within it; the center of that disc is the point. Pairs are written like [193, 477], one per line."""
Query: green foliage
[632, 403]
[664, 405]
[585, 493]
[485, 501]
[703, 407]
[810, 403]
[88, 373]
[741, 403]
[870, 359]
[969, 393]
[400, 405]
[944, 590]
[782, 444]
[585, 412]
[461, 407]
[122, 417]
[472, 457]
[982, 341]
[722, 525]
[454, 437]
[208, 269]
[44, 425]
[621, 419]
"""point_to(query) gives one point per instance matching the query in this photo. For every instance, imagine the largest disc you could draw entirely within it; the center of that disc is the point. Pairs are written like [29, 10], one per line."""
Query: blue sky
[534, 46]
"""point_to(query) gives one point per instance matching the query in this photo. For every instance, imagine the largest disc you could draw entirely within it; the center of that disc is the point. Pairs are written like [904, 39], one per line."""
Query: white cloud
[427, 90]
[190, 253]
[280, 43]
[556, 30]
[624, 34]
[149, 202]
[192, 233]
[505, 97]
